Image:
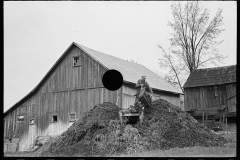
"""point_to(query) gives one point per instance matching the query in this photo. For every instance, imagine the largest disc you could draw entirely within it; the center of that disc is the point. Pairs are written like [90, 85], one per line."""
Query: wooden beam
[231, 97]
[130, 114]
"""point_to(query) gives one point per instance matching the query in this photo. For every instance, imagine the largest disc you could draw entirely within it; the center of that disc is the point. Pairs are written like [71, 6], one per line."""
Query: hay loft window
[72, 117]
[216, 91]
[20, 117]
[54, 118]
[77, 61]
[31, 122]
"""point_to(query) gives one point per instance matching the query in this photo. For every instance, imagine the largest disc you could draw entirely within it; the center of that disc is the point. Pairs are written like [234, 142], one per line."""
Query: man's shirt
[145, 84]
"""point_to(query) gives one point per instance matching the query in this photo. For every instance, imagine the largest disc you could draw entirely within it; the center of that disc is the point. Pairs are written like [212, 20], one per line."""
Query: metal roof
[131, 71]
[212, 76]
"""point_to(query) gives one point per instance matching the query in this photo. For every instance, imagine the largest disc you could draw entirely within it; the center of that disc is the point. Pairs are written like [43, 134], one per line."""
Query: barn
[210, 94]
[71, 87]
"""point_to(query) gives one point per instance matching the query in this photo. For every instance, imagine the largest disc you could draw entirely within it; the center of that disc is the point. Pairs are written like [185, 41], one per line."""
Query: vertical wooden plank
[52, 83]
[45, 109]
[81, 110]
[121, 99]
[76, 72]
[79, 69]
[63, 80]
[90, 72]
[88, 100]
[63, 114]
[203, 117]
[93, 73]
[98, 75]
[71, 73]
[76, 101]
[200, 96]
[79, 77]
[68, 68]
[100, 95]
[65, 74]
[186, 100]
[87, 70]
[79, 104]
[83, 69]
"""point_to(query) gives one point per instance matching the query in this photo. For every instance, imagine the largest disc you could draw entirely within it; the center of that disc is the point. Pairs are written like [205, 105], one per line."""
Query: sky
[36, 34]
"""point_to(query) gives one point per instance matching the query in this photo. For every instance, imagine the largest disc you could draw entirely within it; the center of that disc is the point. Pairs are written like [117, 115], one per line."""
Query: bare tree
[192, 42]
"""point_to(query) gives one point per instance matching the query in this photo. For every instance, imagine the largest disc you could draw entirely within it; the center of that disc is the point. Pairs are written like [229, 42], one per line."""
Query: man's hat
[143, 76]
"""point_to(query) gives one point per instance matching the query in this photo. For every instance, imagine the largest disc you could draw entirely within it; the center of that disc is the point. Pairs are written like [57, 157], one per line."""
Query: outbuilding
[211, 93]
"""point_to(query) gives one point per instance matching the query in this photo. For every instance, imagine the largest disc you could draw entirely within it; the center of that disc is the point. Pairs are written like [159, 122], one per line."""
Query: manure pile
[99, 132]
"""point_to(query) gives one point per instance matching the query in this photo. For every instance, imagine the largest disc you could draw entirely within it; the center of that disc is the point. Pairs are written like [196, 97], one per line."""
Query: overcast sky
[37, 33]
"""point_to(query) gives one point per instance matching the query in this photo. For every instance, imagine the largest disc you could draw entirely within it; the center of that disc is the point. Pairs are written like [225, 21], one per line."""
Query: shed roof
[131, 71]
[211, 76]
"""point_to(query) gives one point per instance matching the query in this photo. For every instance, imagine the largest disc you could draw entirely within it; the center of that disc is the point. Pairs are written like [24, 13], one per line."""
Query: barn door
[19, 128]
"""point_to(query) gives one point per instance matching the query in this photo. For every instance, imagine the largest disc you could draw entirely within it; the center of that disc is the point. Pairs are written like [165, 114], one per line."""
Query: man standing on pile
[142, 83]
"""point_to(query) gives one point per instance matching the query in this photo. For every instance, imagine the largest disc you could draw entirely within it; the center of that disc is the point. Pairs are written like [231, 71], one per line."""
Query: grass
[227, 151]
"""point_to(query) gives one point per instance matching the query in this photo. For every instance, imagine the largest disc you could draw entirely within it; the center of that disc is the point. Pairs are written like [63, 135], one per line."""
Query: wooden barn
[211, 93]
[73, 86]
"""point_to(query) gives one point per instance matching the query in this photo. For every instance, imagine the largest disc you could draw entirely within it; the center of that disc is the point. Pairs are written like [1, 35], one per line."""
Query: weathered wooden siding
[231, 97]
[204, 97]
[67, 89]
[66, 77]
[170, 97]
[21, 129]
[128, 99]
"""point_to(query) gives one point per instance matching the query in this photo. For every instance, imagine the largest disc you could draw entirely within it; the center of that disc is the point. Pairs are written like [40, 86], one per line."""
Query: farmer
[142, 83]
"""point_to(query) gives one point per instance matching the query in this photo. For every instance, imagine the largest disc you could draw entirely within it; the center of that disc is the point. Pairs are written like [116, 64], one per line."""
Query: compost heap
[100, 132]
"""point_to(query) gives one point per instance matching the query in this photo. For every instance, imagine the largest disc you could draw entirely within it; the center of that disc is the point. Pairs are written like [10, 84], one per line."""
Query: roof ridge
[107, 54]
[216, 67]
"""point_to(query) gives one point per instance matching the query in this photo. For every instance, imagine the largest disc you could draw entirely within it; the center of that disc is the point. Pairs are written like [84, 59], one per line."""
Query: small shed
[72, 87]
[211, 92]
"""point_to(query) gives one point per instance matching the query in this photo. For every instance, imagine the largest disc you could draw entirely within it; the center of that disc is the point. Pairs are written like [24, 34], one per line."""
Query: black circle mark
[112, 80]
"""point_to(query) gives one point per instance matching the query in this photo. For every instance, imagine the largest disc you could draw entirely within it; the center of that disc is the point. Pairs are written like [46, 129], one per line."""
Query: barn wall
[67, 89]
[128, 99]
[170, 97]
[66, 77]
[22, 129]
[204, 97]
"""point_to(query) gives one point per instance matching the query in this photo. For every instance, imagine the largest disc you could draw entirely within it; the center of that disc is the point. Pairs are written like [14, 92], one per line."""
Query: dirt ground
[229, 150]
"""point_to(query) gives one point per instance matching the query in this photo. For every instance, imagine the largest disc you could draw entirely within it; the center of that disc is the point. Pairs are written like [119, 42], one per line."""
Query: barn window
[72, 116]
[20, 117]
[54, 118]
[31, 122]
[77, 61]
[216, 91]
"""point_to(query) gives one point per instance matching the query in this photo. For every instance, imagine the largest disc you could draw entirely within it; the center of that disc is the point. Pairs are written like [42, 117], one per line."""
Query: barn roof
[131, 71]
[212, 76]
